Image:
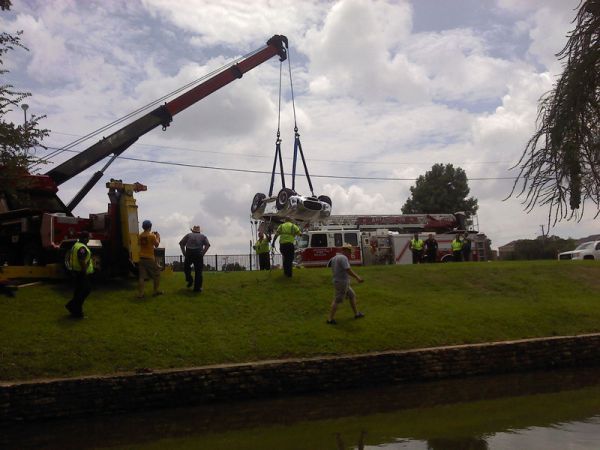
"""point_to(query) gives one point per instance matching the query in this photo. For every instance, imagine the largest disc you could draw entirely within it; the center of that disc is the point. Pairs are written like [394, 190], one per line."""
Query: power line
[335, 161]
[231, 169]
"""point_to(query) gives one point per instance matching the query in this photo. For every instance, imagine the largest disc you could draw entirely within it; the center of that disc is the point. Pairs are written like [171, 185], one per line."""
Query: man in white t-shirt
[340, 267]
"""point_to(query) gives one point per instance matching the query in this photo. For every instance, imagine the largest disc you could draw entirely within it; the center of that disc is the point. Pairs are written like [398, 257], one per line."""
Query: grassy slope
[253, 316]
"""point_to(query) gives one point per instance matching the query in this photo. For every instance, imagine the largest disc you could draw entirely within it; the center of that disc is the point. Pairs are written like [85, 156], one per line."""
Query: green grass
[253, 316]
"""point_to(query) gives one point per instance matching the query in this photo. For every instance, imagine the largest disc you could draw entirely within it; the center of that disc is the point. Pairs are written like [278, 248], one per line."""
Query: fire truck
[385, 239]
[36, 227]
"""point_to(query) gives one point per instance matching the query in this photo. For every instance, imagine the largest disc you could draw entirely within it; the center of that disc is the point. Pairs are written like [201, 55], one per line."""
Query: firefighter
[431, 249]
[82, 267]
[466, 247]
[287, 233]
[456, 246]
[416, 246]
[263, 250]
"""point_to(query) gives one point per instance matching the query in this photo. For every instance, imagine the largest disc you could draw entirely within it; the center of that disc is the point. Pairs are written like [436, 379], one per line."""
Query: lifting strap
[297, 143]
[278, 143]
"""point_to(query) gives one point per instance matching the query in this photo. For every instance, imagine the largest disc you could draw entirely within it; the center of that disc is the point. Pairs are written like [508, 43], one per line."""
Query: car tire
[283, 198]
[324, 199]
[257, 201]
[447, 258]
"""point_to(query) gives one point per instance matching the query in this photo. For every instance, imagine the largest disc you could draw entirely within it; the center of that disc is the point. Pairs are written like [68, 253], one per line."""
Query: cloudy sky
[382, 88]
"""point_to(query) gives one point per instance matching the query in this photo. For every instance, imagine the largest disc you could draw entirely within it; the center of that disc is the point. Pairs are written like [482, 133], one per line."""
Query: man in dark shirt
[431, 249]
[466, 248]
[194, 246]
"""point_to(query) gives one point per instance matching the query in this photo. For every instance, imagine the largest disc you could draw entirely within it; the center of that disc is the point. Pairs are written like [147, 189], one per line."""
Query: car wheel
[447, 258]
[257, 201]
[324, 199]
[283, 198]
[588, 257]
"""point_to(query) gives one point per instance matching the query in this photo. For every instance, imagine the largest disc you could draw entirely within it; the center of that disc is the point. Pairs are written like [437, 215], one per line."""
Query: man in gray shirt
[194, 245]
[340, 266]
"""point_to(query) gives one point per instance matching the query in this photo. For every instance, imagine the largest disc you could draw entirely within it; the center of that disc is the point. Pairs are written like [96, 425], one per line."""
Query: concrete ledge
[38, 400]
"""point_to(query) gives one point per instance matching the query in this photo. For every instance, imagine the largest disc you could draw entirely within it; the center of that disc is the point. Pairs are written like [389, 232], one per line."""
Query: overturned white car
[290, 205]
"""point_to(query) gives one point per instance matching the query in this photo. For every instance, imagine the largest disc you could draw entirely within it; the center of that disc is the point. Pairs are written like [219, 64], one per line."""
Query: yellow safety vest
[75, 260]
[456, 245]
[262, 246]
[287, 232]
[416, 244]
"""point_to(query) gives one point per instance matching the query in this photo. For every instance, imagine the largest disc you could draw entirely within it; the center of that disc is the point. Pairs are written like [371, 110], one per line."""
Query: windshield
[302, 241]
[585, 245]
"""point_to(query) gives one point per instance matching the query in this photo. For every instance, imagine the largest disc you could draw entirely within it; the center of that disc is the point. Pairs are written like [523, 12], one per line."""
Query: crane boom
[123, 138]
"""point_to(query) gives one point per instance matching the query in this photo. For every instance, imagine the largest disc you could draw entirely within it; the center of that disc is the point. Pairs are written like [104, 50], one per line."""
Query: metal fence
[224, 263]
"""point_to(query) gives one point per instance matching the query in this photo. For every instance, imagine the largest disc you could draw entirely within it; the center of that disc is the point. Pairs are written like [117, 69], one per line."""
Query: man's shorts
[149, 269]
[343, 290]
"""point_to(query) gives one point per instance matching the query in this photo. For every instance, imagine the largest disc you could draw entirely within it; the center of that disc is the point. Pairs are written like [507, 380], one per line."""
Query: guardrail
[224, 263]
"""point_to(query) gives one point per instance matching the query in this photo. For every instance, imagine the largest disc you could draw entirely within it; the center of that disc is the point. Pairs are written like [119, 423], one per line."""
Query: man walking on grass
[82, 267]
[340, 267]
[194, 246]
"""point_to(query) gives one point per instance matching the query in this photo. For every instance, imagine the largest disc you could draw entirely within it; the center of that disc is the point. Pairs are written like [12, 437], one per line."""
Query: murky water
[556, 410]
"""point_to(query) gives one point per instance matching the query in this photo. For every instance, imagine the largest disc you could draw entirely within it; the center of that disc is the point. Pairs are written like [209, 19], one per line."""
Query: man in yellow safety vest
[416, 246]
[457, 246]
[262, 249]
[82, 267]
[287, 233]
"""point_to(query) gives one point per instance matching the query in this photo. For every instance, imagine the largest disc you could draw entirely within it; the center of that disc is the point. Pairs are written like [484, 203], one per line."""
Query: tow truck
[37, 228]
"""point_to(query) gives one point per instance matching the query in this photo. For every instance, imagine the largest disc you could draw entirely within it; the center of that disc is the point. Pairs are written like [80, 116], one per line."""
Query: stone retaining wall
[129, 392]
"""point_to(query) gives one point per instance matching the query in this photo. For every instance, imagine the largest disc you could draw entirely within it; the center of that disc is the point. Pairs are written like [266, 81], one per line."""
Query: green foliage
[441, 190]
[17, 142]
[541, 248]
[249, 316]
[559, 168]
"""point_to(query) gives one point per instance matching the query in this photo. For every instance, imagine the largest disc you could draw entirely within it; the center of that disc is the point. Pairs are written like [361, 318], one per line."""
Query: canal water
[550, 410]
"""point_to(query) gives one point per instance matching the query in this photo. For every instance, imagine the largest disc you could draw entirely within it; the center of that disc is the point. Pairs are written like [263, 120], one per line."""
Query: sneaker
[331, 322]
[140, 296]
[359, 316]
[198, 290]
[157, 293]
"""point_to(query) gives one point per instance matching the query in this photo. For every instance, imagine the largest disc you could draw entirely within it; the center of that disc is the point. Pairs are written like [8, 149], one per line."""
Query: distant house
[593, 237]
[505, 251]
[542, 247]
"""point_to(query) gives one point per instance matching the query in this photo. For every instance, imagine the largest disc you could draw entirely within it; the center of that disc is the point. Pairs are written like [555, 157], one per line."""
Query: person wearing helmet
[147, 266]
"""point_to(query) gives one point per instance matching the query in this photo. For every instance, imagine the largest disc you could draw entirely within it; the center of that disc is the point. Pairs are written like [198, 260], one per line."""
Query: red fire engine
[385, 239]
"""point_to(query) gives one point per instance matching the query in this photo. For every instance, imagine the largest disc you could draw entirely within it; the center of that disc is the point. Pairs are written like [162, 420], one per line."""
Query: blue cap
[146, 224]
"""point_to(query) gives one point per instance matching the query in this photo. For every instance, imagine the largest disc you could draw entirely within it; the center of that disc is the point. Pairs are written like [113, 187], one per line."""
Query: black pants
[431, 257]
[82, 287]
[457, 254]
[193, 257]
[417, 256]
[264, 261]
[287, 252]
